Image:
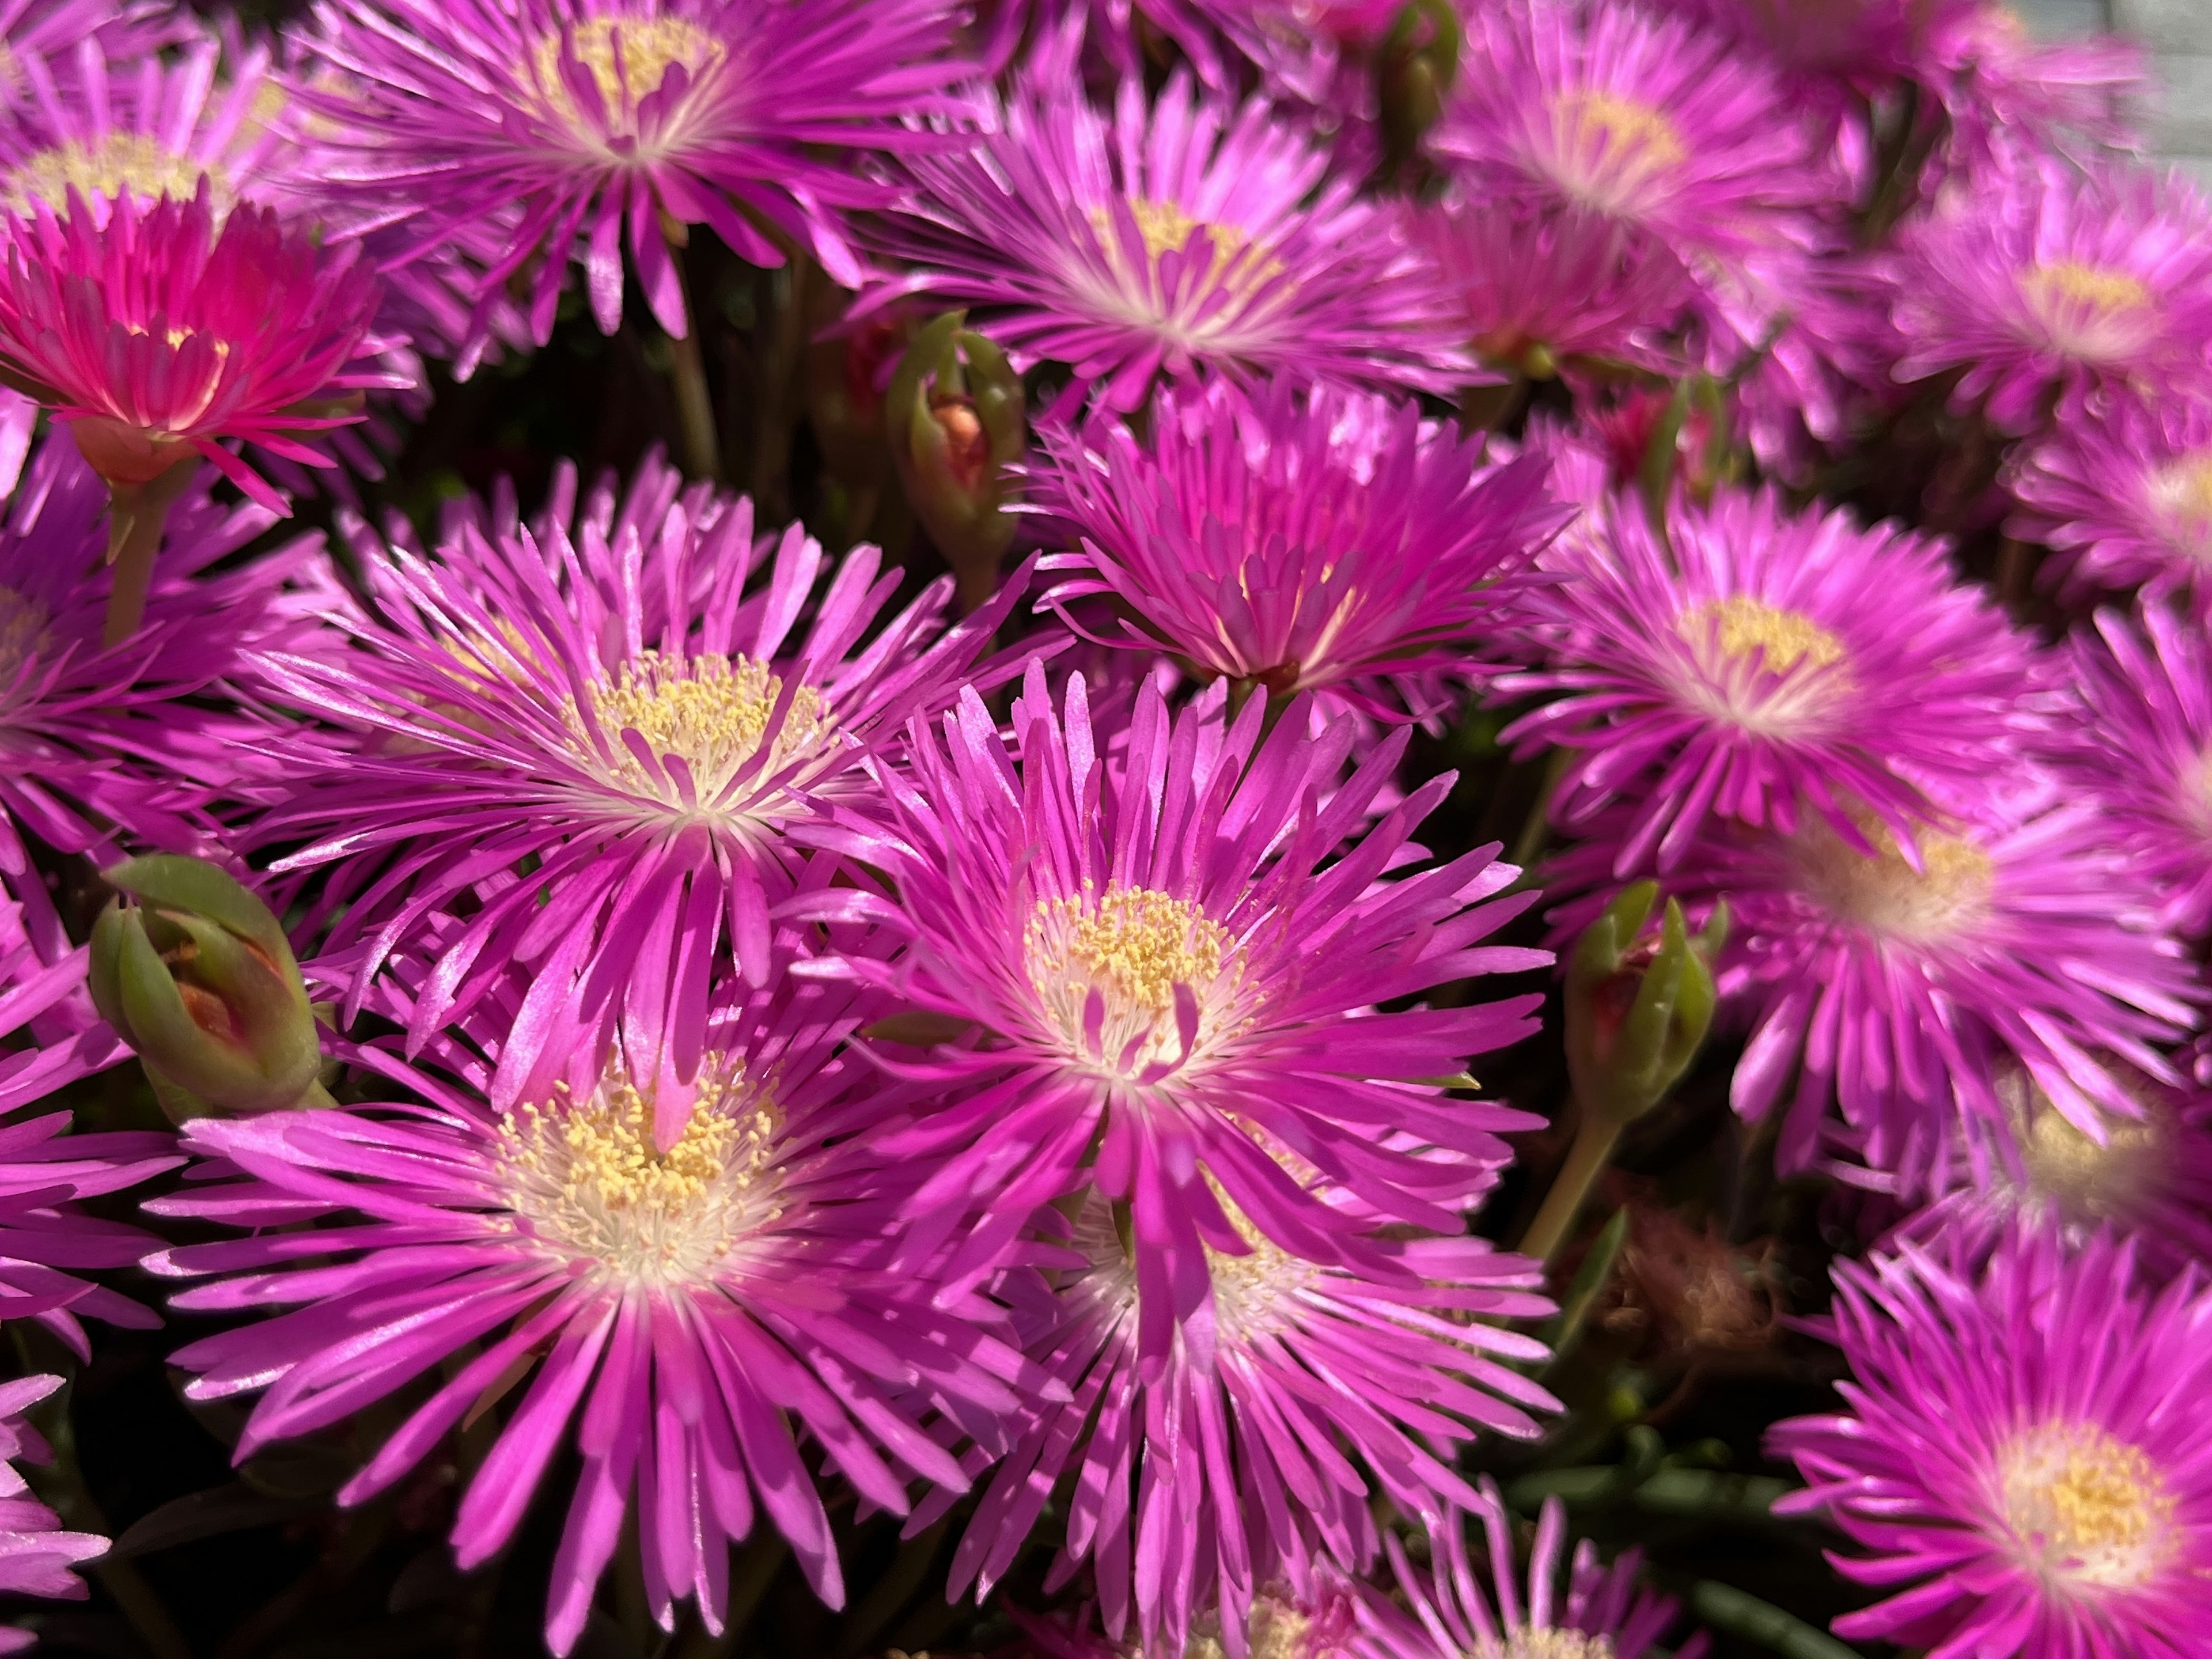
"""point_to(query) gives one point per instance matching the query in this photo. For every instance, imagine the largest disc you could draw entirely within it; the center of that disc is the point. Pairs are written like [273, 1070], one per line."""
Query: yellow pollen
[122, 163]
[1550, 1643]
[2089, 1181]
[1744, 624]
[586, 1176]
[2070, 282]
[710, 711]
[1133, 945]
[1608, 149]
[629, 57]
[1276, 1630]
[1886, 894]
[1166, 229]
[2085, 1508]
[22, 632]
[1246, 1288]
[2181, 498]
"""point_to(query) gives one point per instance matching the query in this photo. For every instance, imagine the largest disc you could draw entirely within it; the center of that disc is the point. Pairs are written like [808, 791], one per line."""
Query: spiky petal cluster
[1762, 665]
[684, 1277]
[1196, 1478]
[1171, 959]
[1171, 235]
[2124, 501]
[121, 28]
[2021, 1459]
[1293, 540]
[2143, 750]
[1606, 1614]
[35, 1553]
[608, 125]
[612, 695]
[1620, 112]
[1903, 988]
[156, 335]
[2054, 290]
[100, 748]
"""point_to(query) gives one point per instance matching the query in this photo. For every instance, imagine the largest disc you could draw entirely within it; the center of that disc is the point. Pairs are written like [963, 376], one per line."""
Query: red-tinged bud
[959, 421]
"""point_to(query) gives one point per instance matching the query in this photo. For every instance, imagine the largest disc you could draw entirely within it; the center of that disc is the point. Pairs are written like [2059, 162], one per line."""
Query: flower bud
[195, 973]
[1637, 1010]
[1415, 68]
[957, 420]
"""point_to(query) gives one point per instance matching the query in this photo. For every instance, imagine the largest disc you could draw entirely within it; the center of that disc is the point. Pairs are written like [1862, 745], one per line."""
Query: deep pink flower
[124, 29]
[1296, 538]
[1170, 961]
[35, 1553]
[549, 125]
[2057, 292]
[2124, 500]
[156, 335]
[642, 698]
[680, 1279]
[2022, 1460]
[1174, 235]
[1606, 1614]
[1762, 665]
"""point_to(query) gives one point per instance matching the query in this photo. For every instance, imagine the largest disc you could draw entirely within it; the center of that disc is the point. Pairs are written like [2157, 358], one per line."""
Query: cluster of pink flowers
[797, 1053]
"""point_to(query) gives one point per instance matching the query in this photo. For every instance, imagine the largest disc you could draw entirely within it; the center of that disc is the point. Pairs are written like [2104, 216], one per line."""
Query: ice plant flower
[2059, 292]
[685, 1277]
[1902, 989]
[610, 124]
[1170, 236]
[1326, 1388]
[2019, 1461]
[1171, 961]
[2124, 501]
[1751, 665]
[102, 747]
[627, 697]
[36, 1553]
[1606, 1614]
[2142, 749]
[124, 29]
[1295, 538]
[1621, 112]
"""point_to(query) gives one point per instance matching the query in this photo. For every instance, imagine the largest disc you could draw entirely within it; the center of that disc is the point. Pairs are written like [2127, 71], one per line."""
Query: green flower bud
[195, 973]
[1637, 1009]
[957, 421]
[1415, 68]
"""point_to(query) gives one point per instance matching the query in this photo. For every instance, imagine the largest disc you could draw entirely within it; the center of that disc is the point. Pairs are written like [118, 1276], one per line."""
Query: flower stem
[687, 370]
[1595, 1139]
[137, 515]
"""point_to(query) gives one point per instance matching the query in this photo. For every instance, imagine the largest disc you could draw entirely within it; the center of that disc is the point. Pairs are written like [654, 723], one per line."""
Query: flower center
[1886, 895]
[1108, 967]
[2065, 1165]
[1189, 312]
[22, 632]
[2088, 312]
[2181, 500]
[629, 57]
[1744, 651]
[1742, 625]
[1276, 1630]
[1607, 151]
[587, 1177]
[119, 164]
[1552, 1643]
[710, 713]
[2085, 1508]
[1248, 1289]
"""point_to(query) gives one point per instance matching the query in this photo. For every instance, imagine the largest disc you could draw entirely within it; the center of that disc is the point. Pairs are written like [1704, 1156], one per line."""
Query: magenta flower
[1530, 287]
[2059, 292]
[1325, 1388]
[124, 29]
[1623, 113]
[2010, 97]
[1753, 664]
[101, 749]
[1170, 961]
[1903, 990]
[601, 124]
[609, 695]
[35, 1553]
[2124, 500]
[1606, 1614]
[2143, 751]
[2022, 1462]
[156, 335]
[687, 1278]
[1293, 540]
[1170, 237]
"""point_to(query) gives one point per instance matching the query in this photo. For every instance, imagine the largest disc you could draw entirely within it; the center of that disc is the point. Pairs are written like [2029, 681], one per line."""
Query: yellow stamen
[1166, 229]
[711, 711]
[587, 1177]
[2070, 282]
[2089, 313]
[2181, 496]
[1744, 624]
[2084, 1507]
[1248, 1288]
[121, 163]
[629, 57]
[1550, 1644]
[1132, 946]
[1886, 894]
[1276, 1630]
[1608, 149]
[2062, 1164]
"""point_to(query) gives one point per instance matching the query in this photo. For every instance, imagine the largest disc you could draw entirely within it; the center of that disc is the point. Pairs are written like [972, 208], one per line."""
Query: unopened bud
[195, 973]
[1637, 1009]
[1415, 68]
[957, 421]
